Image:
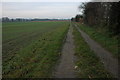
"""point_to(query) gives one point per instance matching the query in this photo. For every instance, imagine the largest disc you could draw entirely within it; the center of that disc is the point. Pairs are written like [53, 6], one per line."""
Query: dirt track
[110, 63]
[65, 68]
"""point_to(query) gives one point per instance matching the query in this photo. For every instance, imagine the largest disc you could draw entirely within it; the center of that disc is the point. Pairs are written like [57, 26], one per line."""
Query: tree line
[101, 14]
[6, 19]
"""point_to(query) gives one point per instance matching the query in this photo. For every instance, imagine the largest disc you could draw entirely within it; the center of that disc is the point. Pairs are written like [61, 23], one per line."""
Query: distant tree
[78, 17]
[5, 19]
[72, 19]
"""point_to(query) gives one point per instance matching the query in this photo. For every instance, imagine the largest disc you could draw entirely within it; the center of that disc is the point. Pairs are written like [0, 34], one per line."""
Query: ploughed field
[31, 49]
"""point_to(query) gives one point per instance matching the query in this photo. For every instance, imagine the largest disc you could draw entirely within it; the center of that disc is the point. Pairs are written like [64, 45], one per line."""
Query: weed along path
[110, 63]
[65, 68]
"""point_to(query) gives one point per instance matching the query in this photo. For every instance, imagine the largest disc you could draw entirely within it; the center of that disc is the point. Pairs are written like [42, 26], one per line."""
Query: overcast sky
[40, 9]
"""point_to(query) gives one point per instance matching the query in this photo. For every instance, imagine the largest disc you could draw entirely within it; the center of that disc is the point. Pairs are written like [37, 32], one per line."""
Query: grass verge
[89, 65]
[109, 43]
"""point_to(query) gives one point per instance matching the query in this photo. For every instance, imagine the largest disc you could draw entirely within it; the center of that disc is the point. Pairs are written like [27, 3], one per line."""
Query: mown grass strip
[89, 65]
[38, 59]
[110, 43]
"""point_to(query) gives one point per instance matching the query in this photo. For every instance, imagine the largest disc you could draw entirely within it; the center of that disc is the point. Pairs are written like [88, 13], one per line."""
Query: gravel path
[65, 69]
[110, 63]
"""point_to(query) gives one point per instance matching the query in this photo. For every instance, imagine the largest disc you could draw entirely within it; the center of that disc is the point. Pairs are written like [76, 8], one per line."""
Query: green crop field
[30, 49]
